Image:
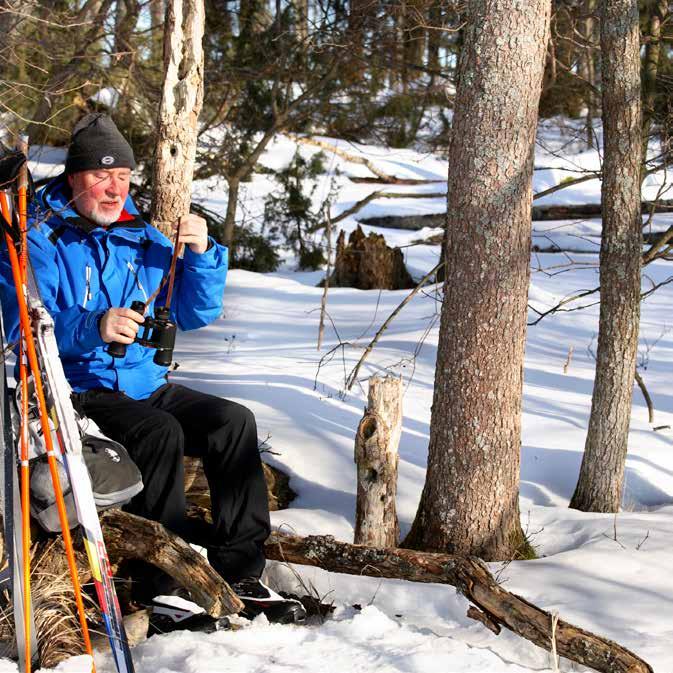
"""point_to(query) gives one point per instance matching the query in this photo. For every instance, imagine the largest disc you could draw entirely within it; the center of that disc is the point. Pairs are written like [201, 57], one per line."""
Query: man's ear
[69, 176]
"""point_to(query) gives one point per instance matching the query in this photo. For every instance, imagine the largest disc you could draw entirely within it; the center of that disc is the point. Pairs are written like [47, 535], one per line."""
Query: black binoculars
[156, 332]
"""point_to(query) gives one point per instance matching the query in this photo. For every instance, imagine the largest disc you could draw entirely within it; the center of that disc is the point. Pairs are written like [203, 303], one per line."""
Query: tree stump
[367, 263]
[376, 443]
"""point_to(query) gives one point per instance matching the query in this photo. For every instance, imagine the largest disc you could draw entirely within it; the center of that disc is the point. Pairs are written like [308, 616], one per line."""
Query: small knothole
[369, 429]
[174, 150]
[372, 475]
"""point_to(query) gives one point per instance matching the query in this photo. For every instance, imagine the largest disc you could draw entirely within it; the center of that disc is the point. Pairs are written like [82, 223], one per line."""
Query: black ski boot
[259, 598]
[171, 613]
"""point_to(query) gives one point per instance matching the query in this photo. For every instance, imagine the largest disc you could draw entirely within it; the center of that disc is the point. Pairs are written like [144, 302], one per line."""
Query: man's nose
[113, 187]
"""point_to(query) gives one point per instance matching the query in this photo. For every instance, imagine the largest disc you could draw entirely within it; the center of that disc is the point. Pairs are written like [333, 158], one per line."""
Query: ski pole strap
[11, 165]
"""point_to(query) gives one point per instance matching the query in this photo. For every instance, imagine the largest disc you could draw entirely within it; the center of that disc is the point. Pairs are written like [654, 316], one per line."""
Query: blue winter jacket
[83, 269]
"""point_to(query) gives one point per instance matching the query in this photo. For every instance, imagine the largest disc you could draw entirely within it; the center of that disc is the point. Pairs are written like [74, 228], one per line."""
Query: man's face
[99, 194]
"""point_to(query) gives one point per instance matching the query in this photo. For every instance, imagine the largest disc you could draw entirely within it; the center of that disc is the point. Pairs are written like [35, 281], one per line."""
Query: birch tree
[181, 102]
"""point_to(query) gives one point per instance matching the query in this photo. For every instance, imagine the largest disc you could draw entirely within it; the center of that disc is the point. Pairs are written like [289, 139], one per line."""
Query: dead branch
[383, 195]
[354, 373]
[384, 178]
[472, 578]
[646, 395]
[132, 537]
[328, 271]
[563, 185]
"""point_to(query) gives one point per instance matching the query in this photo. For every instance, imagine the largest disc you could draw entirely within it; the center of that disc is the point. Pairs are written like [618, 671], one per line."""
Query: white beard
[104, 219]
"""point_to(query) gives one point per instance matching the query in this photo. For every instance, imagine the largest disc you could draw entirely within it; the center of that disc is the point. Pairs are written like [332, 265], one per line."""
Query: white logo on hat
[106, 161]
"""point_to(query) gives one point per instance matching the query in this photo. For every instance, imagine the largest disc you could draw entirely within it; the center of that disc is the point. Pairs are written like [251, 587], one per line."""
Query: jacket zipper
[87, 289]
[138, 283]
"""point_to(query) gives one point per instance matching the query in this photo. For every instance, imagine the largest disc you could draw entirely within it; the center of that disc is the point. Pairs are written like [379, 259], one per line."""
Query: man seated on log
[93, 255]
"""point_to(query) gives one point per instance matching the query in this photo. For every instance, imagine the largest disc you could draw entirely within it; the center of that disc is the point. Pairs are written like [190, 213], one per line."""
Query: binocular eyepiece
[156, 332]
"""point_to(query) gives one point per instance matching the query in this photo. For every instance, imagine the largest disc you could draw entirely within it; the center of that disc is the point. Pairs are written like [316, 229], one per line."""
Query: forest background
[388, 74]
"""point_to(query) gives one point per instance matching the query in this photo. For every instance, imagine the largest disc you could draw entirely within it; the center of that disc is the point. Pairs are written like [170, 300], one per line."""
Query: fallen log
[492, 605]
[381, 177]
[131, 537]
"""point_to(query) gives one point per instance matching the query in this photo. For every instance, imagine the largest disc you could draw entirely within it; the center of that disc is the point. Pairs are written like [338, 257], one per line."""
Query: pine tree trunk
[181, 102]
[434, 34]
[587, 70]
[657, 12]
[470, 502]
[601, 479]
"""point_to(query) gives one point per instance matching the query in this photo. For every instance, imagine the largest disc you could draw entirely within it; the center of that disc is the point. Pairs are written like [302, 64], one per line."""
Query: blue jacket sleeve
[10, 307]
[75, 328]
[199, 286]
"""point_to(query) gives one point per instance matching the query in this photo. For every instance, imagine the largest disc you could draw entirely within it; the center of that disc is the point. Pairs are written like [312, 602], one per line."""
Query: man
[93, 255]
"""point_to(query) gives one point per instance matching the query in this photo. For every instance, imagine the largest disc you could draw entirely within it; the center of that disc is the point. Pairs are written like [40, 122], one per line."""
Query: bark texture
[376, 444]
[656, 13]
[181, 101]
[599, 488]
[492, 605]
[470, 500]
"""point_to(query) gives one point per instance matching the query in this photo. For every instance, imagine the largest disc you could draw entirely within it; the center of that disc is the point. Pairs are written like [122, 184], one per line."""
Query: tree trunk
[157, 15]
[587, 70]
[601, 479]
[656, 12]
[230, 217]
[434, 34]
[376, 444]
[181, 102]
[470, 501]
[301, 20]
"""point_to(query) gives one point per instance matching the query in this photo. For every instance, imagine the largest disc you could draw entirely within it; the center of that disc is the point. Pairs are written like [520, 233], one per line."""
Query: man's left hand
[193, 232]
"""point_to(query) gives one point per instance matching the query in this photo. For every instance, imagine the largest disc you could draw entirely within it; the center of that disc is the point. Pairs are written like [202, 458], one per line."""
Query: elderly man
[93, 255]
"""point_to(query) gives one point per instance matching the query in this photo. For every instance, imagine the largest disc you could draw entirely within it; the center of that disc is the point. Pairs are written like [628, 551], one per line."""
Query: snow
[610, 574]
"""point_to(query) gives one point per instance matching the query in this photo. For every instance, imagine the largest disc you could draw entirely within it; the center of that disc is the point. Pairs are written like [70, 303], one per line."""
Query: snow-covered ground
[610, 574]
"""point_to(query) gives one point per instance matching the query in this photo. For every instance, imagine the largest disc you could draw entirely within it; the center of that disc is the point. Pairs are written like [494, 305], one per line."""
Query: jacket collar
[56, 199]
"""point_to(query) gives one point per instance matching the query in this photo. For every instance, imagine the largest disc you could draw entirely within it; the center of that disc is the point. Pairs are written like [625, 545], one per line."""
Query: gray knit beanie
[97, 143]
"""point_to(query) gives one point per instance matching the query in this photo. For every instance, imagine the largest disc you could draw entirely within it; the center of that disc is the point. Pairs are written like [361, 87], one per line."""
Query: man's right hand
[120, 325]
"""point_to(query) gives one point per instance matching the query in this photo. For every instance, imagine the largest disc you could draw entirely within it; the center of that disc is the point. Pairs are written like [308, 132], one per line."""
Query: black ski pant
[176, 421]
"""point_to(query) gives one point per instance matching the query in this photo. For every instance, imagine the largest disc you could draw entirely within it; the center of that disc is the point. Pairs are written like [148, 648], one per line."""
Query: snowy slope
[605, 573]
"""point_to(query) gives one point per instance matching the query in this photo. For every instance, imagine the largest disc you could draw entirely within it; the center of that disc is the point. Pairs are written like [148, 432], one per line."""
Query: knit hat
[97, 143]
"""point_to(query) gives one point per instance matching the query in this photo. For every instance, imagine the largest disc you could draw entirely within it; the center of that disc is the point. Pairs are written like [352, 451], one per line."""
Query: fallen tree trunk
[131, 537]
[492, 605]
[381, 176]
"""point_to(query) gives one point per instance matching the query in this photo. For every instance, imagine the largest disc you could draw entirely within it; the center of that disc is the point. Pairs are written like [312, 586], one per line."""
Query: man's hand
[120, 325]
[193, 232]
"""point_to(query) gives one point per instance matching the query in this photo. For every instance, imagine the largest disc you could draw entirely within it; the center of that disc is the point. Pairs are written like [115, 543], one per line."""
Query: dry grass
[58, 631]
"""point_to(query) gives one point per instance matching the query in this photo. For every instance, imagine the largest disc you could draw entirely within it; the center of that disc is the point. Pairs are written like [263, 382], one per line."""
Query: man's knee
[235, 432]
[241, 417]
[232, 418]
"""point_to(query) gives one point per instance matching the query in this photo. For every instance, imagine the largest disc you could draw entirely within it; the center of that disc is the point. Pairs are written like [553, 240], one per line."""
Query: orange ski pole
[25, 481]
[25, 471]
[24, 320]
